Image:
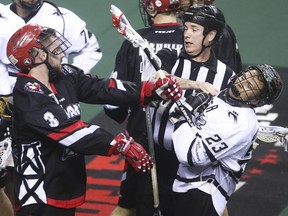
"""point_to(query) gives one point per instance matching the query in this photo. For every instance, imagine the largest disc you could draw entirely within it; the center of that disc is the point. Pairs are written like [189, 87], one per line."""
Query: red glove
[168, 88]
[135, 154]
[164, 88]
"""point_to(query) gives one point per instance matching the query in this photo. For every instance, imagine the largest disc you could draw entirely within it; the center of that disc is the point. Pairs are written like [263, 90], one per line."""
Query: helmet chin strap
[150, 17]
[224, 95]
[201, 51]
[53, 74]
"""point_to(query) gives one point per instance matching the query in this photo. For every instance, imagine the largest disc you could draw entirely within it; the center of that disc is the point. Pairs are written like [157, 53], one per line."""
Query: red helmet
[23, 45]
[163, 5]
[20, 44]
[208, 2]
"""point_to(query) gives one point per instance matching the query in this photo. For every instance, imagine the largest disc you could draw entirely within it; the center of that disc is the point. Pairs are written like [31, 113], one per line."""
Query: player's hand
[134, 153]
[198, 102]
[194, 103]
[207, 88]
[168, 88]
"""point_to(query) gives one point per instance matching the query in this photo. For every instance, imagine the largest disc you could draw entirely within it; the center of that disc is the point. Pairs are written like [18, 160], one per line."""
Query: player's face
[32, 2]
[193, 38]
[185, 4]
[55, 53]
[247, 87]
[28, 2]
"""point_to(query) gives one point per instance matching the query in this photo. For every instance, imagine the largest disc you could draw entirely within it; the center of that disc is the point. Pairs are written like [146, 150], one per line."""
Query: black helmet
[272, 81]
[208, 16]
[30, 7]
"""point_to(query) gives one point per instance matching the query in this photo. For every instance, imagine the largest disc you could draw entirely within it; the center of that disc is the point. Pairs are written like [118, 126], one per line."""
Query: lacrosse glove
[164, 88]
[134, 153]
[196, 102]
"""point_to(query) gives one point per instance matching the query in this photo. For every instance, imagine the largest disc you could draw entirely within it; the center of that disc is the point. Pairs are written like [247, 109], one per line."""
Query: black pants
[44, 210]
[137, 190]
[194, 203]
[3, 178]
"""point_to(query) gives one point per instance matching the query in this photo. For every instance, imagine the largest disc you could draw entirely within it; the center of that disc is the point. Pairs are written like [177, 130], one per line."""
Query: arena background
[261, 29]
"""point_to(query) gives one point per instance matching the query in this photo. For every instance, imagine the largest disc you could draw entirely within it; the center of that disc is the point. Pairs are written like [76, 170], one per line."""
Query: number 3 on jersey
[53, 122]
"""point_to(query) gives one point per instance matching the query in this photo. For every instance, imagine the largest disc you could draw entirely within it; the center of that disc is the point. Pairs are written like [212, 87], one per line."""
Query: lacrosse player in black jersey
[85, 47]
[214, 152]
[163, 30]
[50, 140]
[226, 49]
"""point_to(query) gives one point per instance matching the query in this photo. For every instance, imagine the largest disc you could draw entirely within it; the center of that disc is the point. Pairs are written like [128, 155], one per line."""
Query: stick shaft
[152, 154]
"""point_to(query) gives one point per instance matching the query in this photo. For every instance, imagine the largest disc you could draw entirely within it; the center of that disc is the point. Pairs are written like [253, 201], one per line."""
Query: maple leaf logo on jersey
[33, 87]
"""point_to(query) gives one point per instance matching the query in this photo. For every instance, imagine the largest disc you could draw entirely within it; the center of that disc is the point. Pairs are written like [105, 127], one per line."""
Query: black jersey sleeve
[94, 90]
[227, 50]
[168, 58]
[127, 69]
[37, 116]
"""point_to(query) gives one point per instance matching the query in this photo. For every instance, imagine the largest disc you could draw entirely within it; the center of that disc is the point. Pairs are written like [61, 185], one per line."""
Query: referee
[196, 62]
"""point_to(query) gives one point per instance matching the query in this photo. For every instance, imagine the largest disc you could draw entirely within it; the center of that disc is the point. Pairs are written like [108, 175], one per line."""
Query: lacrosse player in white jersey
[85, 48]
[214, 152]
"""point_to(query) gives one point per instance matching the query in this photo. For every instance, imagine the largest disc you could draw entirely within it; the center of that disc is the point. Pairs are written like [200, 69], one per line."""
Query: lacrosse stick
[123, 26]
[272, 134]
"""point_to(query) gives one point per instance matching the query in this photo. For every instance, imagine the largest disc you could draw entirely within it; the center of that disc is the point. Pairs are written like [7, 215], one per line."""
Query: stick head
[273, 134]
[122, 25]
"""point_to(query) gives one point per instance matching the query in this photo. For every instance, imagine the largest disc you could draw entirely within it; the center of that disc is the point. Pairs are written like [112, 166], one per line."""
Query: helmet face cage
[144, 16]
[260, 96]
[207, 16]
[49, 37]
[31, 7]
[24, 45]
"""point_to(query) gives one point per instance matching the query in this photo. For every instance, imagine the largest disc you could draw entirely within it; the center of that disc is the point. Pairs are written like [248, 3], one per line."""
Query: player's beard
[30, 7]
[55, 74]
[235, 91]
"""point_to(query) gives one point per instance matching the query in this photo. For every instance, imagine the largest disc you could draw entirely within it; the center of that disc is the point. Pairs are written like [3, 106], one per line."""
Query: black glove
[196, 102]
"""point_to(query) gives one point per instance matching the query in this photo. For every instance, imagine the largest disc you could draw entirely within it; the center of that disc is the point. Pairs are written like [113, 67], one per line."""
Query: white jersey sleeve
[6, 87]
[85, 47]
[223, 134]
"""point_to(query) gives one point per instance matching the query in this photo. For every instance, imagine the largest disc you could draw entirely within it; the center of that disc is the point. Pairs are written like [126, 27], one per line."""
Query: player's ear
[211, 35]
[39, 55]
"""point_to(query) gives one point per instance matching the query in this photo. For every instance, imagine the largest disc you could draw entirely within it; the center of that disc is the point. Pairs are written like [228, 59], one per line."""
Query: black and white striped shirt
[212, 71]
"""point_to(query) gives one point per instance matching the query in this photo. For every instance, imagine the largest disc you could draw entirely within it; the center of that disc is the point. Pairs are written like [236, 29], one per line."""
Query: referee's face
[193, 38]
